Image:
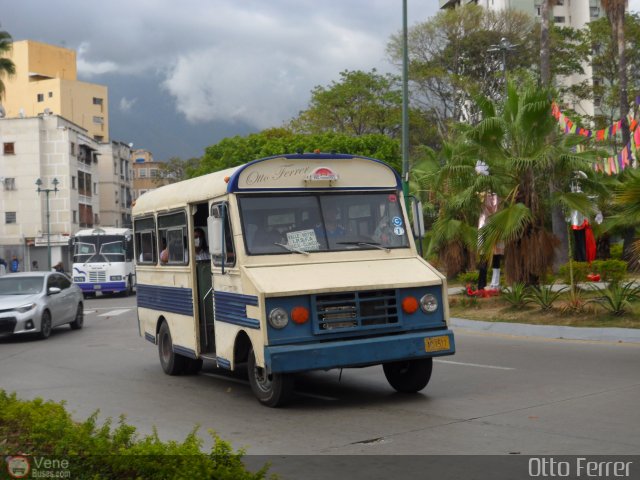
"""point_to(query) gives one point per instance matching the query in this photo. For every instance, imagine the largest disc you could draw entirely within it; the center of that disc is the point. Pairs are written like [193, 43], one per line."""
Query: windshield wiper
[290, 248]
[366, 244]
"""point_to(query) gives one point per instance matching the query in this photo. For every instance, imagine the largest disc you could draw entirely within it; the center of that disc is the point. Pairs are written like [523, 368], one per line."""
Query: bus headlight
[278, 318]
[115, 278]
[429, 303]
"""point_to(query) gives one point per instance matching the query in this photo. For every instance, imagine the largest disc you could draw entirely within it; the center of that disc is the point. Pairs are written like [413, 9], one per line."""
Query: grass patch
[497, 309]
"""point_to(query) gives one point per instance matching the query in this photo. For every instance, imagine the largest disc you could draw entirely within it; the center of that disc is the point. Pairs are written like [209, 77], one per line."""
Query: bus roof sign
[322, 174]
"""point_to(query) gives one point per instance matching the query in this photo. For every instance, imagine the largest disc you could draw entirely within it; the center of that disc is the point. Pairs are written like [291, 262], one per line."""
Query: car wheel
[172, 363]
[271, 390]
[79, 321]
[45, 325]
[409, 376]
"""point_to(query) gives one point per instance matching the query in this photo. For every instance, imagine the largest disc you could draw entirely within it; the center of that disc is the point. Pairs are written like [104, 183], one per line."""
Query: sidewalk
[622, 335]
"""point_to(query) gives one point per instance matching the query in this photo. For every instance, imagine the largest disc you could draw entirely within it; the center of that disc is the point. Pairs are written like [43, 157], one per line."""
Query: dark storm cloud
[214, 63]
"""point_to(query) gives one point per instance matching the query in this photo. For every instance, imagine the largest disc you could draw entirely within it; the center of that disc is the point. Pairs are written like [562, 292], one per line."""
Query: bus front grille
[355, 310]
[97, 277]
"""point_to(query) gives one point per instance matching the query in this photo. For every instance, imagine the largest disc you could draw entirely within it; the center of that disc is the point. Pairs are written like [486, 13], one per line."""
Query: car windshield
[11, 285]
[290, 224]
[99, 249]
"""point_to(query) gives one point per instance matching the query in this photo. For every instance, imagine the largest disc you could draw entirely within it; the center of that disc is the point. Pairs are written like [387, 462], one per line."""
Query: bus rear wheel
[172, 363]
[272, 390]
[409, 376]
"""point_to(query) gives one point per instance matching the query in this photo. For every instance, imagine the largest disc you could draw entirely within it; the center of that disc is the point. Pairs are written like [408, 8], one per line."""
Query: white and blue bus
[103, 260]
[311, 266]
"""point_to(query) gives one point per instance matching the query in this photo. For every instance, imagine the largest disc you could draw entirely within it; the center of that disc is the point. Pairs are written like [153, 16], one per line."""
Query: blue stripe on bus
[165, 299]
[150, 337]
[185, 352]
[232, 308]
[223, 363]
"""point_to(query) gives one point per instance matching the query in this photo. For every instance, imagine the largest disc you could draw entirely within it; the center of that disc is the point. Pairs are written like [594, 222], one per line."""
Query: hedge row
[39, 428]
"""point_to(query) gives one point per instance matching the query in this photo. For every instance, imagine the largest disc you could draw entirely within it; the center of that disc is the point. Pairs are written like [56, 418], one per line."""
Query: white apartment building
[45, 147]
[116, 178]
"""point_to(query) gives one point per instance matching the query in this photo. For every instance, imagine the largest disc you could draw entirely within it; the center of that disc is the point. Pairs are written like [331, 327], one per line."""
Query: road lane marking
[479, 365]
[113, 313]
[89, 311]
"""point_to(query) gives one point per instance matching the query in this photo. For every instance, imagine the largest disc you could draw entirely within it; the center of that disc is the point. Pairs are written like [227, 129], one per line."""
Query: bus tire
[409, 376]
[172, 363]
[272, 390]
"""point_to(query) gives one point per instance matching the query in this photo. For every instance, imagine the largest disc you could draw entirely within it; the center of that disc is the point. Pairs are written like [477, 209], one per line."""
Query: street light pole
[55, 183]
[405, 104]
[504, 46]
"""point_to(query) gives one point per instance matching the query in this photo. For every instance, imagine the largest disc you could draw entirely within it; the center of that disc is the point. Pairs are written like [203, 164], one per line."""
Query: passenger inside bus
[200, 244]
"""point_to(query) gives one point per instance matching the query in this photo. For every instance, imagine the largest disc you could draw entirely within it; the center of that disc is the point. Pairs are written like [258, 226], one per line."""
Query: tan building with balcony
[46, 82]
[115, 183]
[146, 172]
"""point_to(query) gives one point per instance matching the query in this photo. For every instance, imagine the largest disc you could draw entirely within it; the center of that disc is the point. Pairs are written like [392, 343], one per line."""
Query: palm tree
[627, 198]
[7, 67]
[545, 68]
[524, 153]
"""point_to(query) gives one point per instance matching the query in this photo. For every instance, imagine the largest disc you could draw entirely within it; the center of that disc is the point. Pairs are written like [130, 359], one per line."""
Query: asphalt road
[499, 394]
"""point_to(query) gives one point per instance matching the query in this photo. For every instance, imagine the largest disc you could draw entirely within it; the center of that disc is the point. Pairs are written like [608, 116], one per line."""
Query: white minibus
[311, 265]
[103, 260]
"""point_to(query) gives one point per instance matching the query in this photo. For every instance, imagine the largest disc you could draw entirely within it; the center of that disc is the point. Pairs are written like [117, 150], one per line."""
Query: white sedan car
[36, 302]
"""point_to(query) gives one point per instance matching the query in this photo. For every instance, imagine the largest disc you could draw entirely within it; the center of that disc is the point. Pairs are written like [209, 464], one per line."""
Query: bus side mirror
[214, 231]
[418, 218]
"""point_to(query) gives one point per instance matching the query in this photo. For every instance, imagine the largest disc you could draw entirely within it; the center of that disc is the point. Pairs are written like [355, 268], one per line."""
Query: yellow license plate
[436, 344]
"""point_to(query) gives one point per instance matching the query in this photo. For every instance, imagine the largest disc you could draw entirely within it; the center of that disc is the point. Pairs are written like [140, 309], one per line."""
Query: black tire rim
[165, 347]
[263, 381]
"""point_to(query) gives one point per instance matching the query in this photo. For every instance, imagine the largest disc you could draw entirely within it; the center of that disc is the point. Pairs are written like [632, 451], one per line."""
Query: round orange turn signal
[410, 304]
[299, 315]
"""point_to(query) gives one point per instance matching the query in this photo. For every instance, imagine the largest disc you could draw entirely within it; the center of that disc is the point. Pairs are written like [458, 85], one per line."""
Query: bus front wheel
[271, 390]
[409, 376]
[172, 363]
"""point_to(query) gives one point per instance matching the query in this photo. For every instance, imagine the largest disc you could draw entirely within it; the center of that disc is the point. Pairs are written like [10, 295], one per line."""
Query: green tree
[7, 67]
[360, 103]
[176, 169]
[235, 151]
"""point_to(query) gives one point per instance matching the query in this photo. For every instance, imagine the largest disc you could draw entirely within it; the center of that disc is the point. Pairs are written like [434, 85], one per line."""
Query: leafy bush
[617, 298]
[610, 270]
[36, 427]
[517, 295]
[580, 272]
[545, 295]
[468, 278]
[616, 251]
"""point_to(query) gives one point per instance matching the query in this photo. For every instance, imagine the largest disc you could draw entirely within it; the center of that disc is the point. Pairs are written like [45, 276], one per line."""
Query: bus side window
[172, 232]
[229, 250]
[145, 241]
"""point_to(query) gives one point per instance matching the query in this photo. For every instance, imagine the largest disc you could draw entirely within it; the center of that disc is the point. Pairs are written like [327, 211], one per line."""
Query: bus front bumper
[106, 287]
[358, 352]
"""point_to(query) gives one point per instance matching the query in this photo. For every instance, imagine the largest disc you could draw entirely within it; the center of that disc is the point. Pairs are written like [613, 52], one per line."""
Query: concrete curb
[621, 335]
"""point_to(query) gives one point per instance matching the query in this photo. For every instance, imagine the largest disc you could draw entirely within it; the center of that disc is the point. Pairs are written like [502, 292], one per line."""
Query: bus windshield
[99, 249]
[285, 224]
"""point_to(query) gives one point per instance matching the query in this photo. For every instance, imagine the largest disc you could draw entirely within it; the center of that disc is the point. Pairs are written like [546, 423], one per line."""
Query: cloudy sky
[184, 74]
